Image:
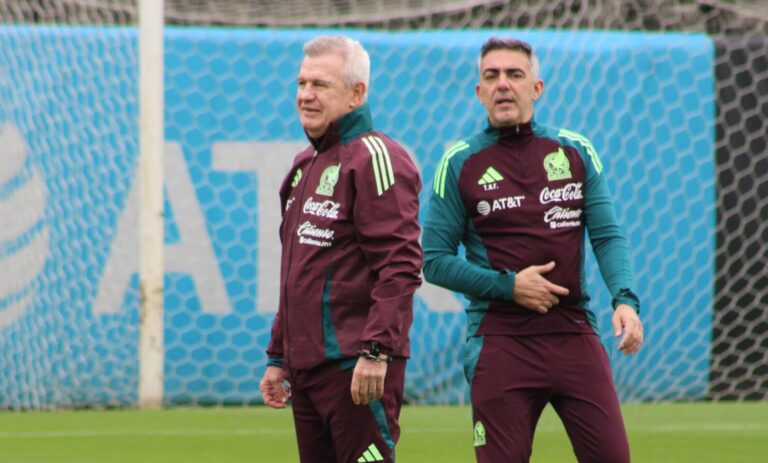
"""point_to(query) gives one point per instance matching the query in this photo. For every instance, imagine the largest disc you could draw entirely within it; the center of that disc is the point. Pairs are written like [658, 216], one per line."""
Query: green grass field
[686, 432]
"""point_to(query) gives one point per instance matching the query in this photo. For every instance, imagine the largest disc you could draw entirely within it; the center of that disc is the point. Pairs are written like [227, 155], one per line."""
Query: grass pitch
[675, 433]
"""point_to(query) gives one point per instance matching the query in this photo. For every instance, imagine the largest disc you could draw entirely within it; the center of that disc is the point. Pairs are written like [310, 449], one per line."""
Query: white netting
[678, 118]
[65, 123]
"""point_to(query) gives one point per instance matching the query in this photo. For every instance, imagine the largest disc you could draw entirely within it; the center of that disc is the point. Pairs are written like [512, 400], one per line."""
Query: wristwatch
[374, 353]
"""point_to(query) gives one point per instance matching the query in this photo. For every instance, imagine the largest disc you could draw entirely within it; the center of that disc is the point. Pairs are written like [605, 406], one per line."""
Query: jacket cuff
[275, 362]
[504, 285]
[626, 296]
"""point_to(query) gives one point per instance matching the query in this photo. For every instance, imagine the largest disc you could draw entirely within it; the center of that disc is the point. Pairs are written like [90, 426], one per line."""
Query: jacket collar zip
[512, 135]
[344, 129]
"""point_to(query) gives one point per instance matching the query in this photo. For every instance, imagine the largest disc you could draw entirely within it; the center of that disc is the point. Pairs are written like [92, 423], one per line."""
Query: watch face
[375, 351]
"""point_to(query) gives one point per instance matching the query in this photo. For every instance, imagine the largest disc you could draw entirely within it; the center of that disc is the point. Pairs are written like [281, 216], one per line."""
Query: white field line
[712, 427]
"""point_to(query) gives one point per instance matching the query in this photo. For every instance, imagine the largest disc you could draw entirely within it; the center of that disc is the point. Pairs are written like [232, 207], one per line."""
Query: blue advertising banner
[69, 200]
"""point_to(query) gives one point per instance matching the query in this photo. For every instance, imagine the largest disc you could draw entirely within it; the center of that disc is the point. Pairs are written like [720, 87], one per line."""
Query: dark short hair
[496, 43]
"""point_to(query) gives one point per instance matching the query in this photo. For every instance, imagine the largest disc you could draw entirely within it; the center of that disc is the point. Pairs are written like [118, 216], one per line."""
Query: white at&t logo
[484, 207]
[24, 234]
[193, 254]
[500, 204]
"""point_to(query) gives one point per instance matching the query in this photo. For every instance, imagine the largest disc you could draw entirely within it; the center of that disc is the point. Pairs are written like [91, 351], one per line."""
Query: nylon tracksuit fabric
[351, 259]
[516, 197]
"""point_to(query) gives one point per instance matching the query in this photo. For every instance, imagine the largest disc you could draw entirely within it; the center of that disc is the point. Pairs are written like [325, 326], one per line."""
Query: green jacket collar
[345, 128]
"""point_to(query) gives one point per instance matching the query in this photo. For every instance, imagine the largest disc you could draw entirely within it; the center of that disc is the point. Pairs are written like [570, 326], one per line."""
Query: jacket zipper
[297, 206]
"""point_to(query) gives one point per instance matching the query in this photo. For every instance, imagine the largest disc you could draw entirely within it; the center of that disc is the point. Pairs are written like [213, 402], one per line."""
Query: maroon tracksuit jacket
[351, 258]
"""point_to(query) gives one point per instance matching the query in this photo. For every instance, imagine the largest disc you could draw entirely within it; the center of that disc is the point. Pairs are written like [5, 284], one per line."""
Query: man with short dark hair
[520, 197]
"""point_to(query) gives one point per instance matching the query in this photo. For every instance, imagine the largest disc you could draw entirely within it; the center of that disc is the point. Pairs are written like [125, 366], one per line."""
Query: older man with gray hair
[351, 261]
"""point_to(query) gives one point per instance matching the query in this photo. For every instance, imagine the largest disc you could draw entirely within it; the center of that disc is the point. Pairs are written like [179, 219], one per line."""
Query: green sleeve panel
[277, 362]
[447, 224]
[607, 240]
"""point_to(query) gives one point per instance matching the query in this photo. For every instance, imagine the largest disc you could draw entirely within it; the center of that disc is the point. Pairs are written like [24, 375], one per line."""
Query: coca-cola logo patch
[568, 192]
[327, 208]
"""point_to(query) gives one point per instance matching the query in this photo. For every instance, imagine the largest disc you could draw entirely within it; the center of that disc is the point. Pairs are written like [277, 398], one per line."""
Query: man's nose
[306, 93]
[504, 82]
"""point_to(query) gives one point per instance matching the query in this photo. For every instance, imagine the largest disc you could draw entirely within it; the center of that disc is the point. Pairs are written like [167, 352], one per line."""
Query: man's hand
[625, 319]
[368, 381]
[273, 389]
[535, 292]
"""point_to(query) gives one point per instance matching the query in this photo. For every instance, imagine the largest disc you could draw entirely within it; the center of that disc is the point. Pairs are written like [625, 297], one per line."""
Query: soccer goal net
[672, 94]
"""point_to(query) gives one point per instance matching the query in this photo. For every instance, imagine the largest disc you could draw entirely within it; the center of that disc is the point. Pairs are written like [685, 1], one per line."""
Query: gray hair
[357, 63]
[496, 43]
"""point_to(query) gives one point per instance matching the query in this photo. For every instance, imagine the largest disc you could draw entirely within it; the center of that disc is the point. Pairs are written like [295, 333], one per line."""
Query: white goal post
[152, 131]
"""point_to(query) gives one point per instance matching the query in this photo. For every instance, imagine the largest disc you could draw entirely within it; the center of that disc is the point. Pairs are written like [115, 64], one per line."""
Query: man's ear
[358, 95]
[538, 89]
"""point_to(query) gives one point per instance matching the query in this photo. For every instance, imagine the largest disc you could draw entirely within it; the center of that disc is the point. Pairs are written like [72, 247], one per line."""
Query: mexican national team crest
[479, 434]
[557, 165]
[328, 180]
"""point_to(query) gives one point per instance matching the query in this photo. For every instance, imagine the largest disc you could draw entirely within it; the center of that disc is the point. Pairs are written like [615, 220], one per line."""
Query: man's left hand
[625, 320]
[368, 380]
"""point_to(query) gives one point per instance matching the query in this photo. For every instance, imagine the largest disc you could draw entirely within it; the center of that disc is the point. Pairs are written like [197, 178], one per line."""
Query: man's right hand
[535, 292]
[272, 387]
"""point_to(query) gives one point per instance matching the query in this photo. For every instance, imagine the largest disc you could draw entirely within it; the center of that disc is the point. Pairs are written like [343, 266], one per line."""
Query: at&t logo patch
[500, 204]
